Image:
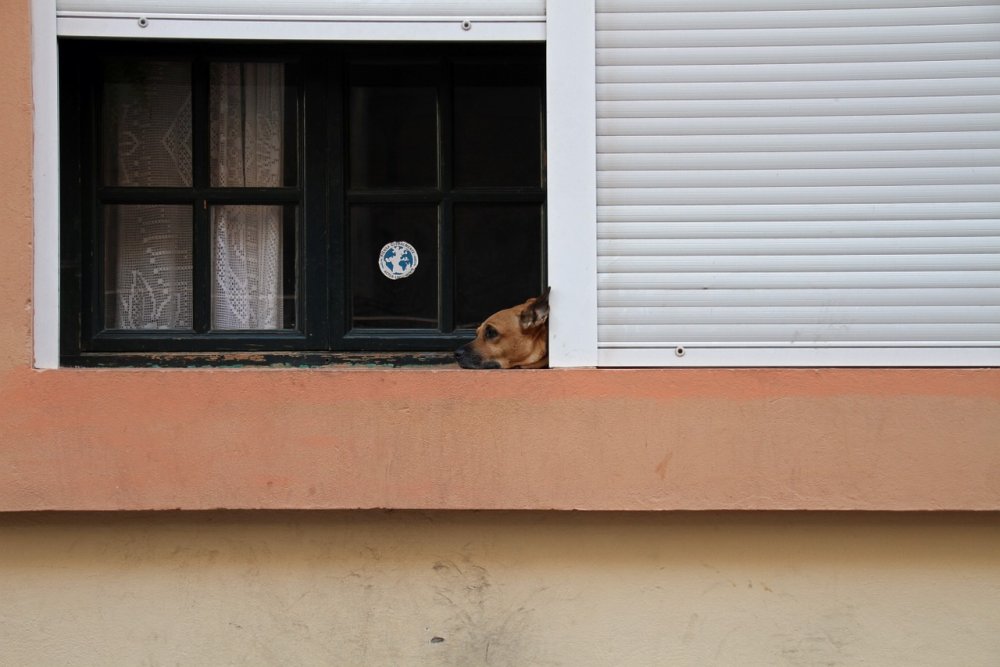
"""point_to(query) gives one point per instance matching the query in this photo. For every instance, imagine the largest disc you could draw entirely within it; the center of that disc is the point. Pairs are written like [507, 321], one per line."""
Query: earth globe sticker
[398, 259]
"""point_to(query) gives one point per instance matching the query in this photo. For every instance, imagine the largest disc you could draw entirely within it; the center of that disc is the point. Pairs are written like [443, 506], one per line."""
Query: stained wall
[501, 589]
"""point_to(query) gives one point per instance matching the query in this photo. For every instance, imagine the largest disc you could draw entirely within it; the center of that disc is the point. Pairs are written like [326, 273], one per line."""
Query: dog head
[516, 337]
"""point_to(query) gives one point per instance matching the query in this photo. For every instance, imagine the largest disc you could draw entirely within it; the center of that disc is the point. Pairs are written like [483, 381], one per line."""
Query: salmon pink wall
[445, 438]
[586, 439]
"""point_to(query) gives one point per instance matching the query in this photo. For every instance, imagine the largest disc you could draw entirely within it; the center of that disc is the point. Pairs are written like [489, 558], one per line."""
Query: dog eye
[490, 333]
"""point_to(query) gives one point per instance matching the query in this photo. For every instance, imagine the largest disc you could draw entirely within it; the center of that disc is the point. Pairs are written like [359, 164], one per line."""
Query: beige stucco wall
[500, 589]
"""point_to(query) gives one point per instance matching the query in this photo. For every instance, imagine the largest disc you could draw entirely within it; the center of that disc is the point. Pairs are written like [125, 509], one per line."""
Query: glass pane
[248, 116]
[147, 268]
[393, 136]
[498, 259]
[146, 124]
[394, 272]
[251, 286]
[497, 136]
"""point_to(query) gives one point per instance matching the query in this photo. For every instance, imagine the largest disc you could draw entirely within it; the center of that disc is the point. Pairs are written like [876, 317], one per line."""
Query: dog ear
[537, 311]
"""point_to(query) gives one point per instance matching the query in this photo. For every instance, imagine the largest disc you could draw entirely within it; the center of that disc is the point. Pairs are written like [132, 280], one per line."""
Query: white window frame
[571, 148]
[45, 180]
[571, 170]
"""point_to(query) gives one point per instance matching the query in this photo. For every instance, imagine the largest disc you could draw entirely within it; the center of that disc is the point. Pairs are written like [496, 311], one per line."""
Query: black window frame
[319, 76]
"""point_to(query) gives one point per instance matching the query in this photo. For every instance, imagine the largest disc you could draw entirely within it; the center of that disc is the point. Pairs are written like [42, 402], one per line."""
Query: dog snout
[465, 357]
[468, 357]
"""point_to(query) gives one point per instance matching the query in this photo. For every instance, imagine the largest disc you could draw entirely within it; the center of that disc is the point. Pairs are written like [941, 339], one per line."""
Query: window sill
[261, 359]
[444, 438]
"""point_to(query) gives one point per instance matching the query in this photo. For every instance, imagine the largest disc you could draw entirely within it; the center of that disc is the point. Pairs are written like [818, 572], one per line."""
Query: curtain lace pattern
[148, 112]
[151, 125]
[247, 124]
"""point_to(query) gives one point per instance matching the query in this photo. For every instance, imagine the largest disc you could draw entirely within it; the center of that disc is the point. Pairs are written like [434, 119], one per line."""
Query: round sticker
[398, 259]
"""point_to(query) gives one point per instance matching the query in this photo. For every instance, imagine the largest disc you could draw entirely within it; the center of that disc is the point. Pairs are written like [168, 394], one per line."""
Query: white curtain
[247, 103]
[148, 143]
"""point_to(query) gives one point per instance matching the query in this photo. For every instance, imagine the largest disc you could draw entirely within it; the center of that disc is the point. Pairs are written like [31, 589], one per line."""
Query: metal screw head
[143, 22]
[466, 24]
[680, 351]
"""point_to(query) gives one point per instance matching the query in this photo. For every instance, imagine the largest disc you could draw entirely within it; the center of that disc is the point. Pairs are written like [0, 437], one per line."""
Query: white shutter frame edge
[806, 355]
[45, 184]
[304, 20]
[303, 28]
[571, 151]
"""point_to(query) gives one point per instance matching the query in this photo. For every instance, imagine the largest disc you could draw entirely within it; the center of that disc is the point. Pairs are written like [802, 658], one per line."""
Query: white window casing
[347, 20]
[798, 183]
[571, 183]
[327, 20]
[45, 184]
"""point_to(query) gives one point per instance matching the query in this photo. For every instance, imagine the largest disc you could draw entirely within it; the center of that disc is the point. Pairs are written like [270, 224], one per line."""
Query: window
[296, 198]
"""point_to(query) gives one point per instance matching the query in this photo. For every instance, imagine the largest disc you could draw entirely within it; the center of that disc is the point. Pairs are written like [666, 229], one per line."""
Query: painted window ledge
[331, 438]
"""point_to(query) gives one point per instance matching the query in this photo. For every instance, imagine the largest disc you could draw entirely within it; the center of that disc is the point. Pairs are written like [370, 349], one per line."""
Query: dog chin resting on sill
[515, 337]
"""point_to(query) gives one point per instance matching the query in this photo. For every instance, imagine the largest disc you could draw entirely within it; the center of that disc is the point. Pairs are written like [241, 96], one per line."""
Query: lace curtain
[247, 124]
[148, 117]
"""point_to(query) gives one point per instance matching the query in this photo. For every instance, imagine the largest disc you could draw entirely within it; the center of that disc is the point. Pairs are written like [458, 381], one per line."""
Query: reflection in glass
[146, 124]
[497, 259]
[498, 136]
[393, 136]
[147, 276]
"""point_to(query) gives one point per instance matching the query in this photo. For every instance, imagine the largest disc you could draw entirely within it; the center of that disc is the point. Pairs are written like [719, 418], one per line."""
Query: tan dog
[516, 337]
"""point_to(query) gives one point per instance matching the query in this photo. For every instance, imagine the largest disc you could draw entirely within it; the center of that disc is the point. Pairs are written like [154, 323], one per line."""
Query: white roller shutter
[797, 182]
[304, 19]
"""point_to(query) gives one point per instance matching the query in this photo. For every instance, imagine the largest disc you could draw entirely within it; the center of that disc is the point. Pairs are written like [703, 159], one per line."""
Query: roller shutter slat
[799, 177]
[795, 18]
[823, 53]
[709, 283]
[918, 34]
[795, 315]
[739, 196]
[777, 143]
[789, 335]
[828, 90]
[810, 107]
[798, 264]
[798, 229]
[715, 213]
[801, 297]
[720, 247]
[611, 162]
[849, 71]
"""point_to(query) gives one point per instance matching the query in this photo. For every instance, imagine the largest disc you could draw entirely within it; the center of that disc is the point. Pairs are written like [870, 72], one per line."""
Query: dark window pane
[248, 276]
[497, 259]
[497, 136]
[248, 125]
[147, 267]
[379, 301]
[393, 136]
[146, 124]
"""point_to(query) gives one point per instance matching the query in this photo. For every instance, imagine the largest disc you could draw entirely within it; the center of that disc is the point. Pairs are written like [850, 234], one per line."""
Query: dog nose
[459, 353]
